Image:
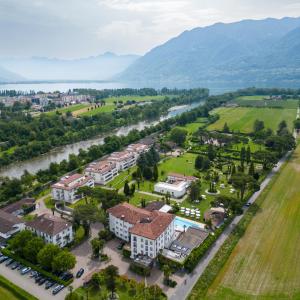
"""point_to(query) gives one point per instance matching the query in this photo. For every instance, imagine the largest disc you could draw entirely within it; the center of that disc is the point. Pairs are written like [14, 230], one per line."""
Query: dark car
[20, 267]
[49, 284]
[3, 259]
[79, 273]
[42, 281]
[38, 278]
[57, 289]
[9, 262]
[15, 265]
[66, 276]
[121, 245]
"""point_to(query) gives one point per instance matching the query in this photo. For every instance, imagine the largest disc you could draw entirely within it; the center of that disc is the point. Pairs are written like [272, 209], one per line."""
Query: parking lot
[28, 284]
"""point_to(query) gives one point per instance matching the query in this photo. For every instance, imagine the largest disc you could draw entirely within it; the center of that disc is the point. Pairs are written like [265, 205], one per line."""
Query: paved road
[182, 291]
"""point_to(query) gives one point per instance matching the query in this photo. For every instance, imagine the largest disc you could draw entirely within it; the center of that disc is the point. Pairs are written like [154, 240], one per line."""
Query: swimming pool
[182, 223]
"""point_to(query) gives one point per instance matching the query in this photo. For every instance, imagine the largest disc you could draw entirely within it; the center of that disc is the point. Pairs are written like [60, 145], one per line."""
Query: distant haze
[100, 67]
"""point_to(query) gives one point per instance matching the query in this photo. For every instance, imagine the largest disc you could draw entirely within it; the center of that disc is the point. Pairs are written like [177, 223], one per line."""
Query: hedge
[15, 290]
[140, 270]
[174, 265]
[36, 268]
[126, 253]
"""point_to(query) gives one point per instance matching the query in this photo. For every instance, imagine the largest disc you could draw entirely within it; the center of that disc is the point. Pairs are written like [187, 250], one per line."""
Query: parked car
[38, 278]
[57, 289]
[34, 274]
[79, 273]
[248, 204]
[9, 262]
[121, 245]
[3, 259]
[25, 270]
[15, 265]
[49, 284]
[20, 267]
[42, 281]
[66, 276]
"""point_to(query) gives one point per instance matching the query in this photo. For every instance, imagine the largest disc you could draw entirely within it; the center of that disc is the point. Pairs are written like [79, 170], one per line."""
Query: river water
[58, 154]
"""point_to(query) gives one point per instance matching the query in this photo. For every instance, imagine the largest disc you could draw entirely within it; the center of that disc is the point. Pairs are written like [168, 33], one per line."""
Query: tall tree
[111, 273]
[63, 261]
[126, 188]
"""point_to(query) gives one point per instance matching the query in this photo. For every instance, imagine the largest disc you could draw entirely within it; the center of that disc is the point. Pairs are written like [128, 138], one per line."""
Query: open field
[110, 105]
[193, 127]
[5, 294]
[242, 118]
[266, 264]
[252, 98]
[71, 108]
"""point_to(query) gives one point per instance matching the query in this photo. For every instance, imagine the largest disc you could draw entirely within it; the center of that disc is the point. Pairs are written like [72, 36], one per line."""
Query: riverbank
[59, 154]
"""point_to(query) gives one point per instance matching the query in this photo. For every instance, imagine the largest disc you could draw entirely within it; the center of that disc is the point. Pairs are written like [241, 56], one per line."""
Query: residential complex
[52, 229]
[123, 160]
[21, 207]
[66, 189]
[176, 185]
[102, 172]
[147, 231]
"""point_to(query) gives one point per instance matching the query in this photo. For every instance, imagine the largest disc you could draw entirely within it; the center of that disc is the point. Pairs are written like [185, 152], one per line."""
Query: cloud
[76, 28]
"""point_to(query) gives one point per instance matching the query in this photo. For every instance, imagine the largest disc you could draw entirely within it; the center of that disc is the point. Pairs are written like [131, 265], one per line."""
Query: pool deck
[197, 224]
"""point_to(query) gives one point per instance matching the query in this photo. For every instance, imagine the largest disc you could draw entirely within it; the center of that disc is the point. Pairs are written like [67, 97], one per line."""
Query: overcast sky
[79, 28]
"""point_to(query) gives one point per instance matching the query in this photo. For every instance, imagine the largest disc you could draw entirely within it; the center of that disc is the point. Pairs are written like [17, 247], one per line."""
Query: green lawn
[252, 98]
[265, 264]
[136, 199]
[71, 108]
[291, 103]
[110, 106]
[118, 182]
[242, 118]
[6, 294]
[193, 127]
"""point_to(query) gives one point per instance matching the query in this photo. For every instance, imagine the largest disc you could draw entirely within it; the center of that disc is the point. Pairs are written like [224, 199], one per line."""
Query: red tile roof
[147, 224]
[101, 167]
[182, 177]
[70, 182]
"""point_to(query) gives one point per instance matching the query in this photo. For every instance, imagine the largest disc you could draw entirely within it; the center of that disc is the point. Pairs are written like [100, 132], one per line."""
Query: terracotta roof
[101, 167]
[154, 226]
[129, 213]
[7, 221]
[117, 156]
[11, 208]
[216, 217]
[48, 224]
[146, 223]
[72, 182]
[137, 147]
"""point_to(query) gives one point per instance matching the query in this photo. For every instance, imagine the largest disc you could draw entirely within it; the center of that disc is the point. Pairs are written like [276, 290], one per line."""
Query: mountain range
[249, 52]
[99, 67]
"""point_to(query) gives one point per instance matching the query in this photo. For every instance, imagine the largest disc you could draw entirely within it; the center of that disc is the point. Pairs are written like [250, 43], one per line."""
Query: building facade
[123, 160]
[66, 189]
[147, 231]
[52, 229]
[102, 172]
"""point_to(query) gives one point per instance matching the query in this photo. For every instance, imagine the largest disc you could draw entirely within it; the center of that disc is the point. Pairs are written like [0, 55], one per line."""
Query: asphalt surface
[182, 292]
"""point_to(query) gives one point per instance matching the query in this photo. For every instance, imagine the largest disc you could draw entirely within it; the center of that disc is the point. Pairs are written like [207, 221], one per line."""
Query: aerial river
[60, 153]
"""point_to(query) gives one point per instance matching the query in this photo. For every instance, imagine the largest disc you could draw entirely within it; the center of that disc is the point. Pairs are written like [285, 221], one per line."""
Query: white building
[66, 188]
[102, 172]
[138, 148]
[123, 160]
[176, 185]
[147, 231]
[9, 225]
[52, 229]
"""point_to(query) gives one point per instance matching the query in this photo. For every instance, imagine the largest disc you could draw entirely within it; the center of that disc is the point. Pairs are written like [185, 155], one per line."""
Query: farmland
[242, 118]
[265, 263]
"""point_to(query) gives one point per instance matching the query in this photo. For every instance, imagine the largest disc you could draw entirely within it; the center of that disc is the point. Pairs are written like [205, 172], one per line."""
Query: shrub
[126, 253]
[140, 270]
[170, 282]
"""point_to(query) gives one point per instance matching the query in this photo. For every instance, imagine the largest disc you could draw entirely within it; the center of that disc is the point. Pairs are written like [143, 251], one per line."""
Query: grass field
[193, 127]
[265, 264]
[242, 118]
[252, 98]
[110, 106]
[6, 294]
[71, 108]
